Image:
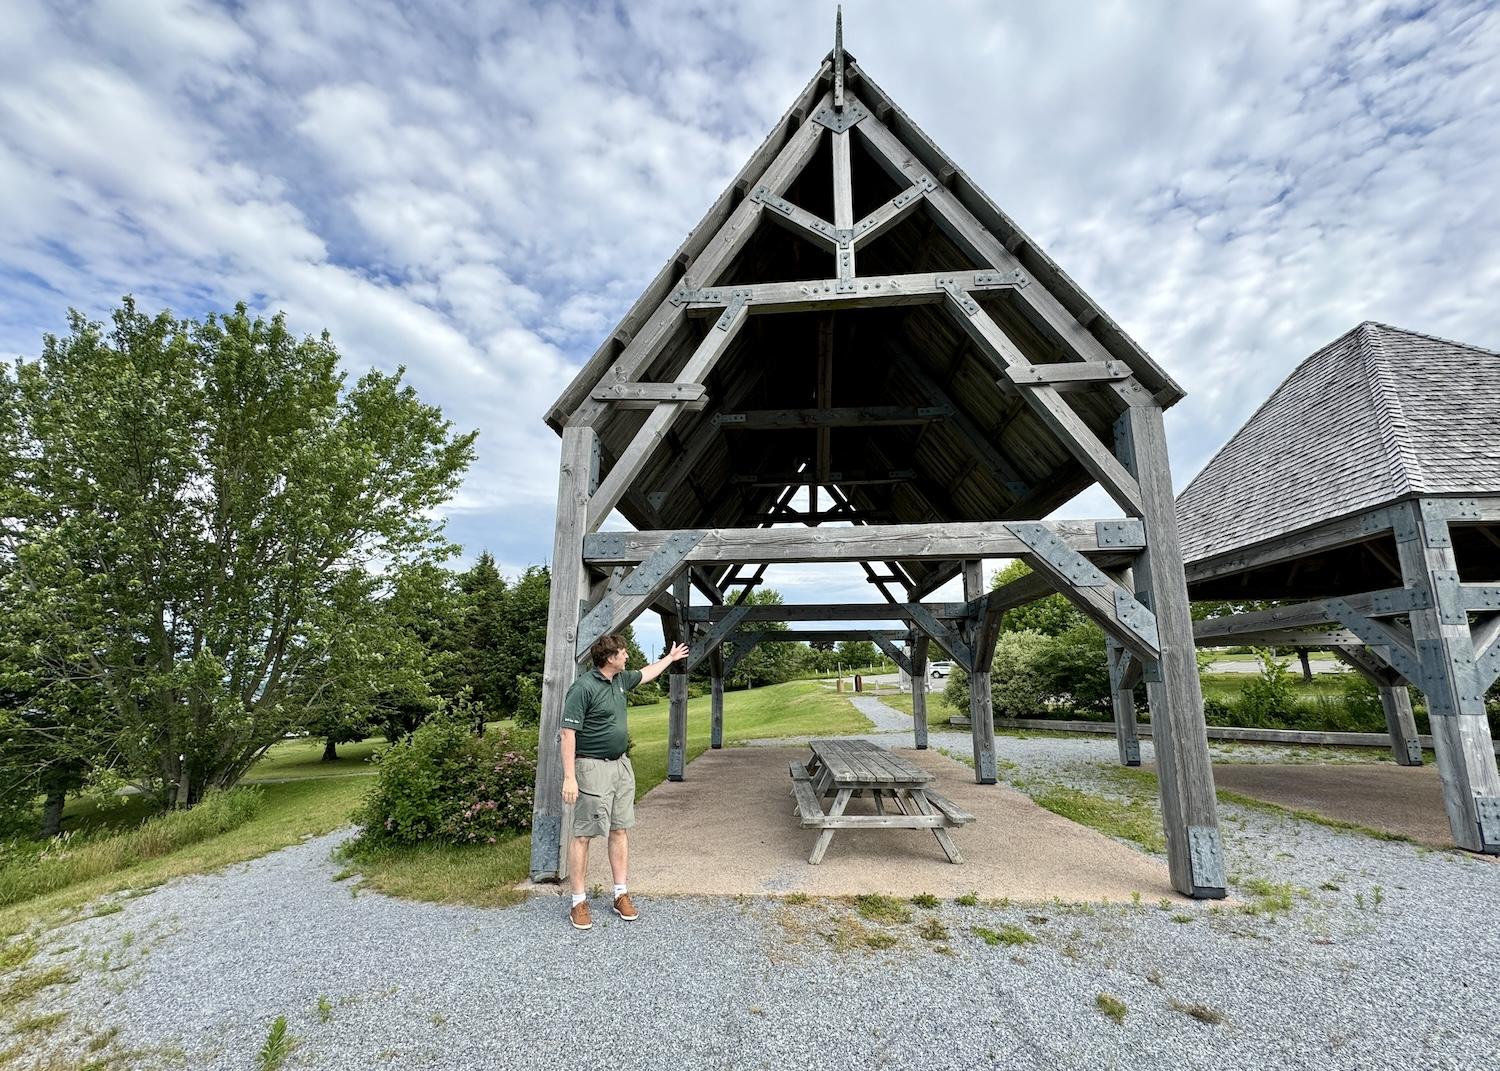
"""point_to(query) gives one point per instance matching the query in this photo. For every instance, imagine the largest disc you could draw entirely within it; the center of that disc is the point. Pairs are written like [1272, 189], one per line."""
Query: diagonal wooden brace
[715, 636]
[895, 654]
[1077, 579]
[1383, 641]
[637, 591]
[947, 637]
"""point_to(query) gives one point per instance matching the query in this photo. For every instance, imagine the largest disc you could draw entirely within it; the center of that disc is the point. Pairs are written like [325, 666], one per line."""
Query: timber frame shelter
[854, 318]
[1390, 557]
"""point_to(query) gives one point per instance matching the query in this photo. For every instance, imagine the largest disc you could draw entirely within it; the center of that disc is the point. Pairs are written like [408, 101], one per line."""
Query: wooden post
[716, 702]
[1395, 700]
[1190, 814]
[918, 647]
[1455, 700]
[1122, 696]
[677, 683]
[568, 594]
[981, 703]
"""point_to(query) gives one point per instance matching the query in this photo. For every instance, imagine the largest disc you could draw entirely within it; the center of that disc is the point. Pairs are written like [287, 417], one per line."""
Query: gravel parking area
[1343, 952]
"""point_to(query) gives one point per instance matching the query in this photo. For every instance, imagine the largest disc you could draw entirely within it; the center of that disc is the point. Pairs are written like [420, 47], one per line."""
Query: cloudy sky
[479, 190]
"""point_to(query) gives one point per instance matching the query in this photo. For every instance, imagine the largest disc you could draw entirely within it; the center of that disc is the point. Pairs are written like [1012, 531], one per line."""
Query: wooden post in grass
[918, 646]
[716, 701]
[677, 691]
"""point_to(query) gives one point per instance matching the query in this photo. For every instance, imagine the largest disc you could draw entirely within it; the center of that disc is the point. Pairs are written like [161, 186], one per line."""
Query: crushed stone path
[1357, 953]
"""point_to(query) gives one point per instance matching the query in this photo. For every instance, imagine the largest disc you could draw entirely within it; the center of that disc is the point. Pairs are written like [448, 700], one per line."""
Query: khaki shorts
[606, 796]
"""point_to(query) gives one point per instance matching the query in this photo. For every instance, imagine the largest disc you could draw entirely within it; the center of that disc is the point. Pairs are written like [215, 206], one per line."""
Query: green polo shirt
[595, 710]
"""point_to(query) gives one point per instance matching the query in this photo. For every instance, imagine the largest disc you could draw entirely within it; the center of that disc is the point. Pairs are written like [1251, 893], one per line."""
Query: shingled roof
[1377, 415]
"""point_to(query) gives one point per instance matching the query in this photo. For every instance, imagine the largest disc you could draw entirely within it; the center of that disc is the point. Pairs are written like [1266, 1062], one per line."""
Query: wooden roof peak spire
[838, 59]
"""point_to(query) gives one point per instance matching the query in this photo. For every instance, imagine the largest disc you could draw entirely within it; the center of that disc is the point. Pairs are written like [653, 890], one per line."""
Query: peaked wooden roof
[924, 431]
[1377, 415]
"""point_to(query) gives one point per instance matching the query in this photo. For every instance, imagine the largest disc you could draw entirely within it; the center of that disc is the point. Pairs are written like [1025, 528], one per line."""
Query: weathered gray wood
[820, 846]
[895, 654]
[1190, 814]
[870, 542]
[949, 638]
[803, 635]
[843, 204]
[918, 647]
[1455, 701]
[675, 629]
[830, 611]
[649, 438]
[650, 395]
[1066, 372]
[1049, 406]
[862, 416]
[1293, 545]
[808, 807]
[870, 291]
[798, 220]
[952, 811]
[710, 641]
[920, 800]
[569, 588]
[716, 699]
[889, 214]
[1122, 699]
[1395, 700]
[1386, 603]
[1286, 637]
[1215, 732]
[842, 477]
[981, 702]
[1099, 599]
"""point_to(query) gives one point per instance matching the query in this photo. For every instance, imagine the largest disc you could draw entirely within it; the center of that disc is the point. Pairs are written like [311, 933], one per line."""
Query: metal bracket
[840, 121]
[1151, 672]
[1374, 522]
[1480, 596]
[1447, 593]
[663, 563]
[845, 286]
[688, 296]
[1398, 600]
[657, 499]
[1403, 523]
[1435, 521]
[1017, 279]
[959, 295]
[603, 545]
[1488, 809]
[1454, 509]
[1128, 533]
[1414, 752]
[738, 299]
[1436, 666]
[1206, 855]
[1134, 616]
[546, 844]
[1132, 753]
[1043, 541]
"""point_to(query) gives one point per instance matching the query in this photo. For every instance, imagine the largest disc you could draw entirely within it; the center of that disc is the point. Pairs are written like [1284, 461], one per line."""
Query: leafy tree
[1051, 616]
[769, 663]
[190, 537]
[857, 653]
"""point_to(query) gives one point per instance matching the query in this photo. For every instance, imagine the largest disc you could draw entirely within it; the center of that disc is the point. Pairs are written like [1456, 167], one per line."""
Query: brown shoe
[579, 917]
[624, 908]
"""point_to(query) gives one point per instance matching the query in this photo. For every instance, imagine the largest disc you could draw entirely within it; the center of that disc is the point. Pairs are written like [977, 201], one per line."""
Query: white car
[938, 670]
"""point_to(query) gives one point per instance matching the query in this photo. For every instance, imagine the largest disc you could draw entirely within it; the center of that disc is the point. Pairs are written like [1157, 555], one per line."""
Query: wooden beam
[829, 611]
[1190, 816]
[1122, 700]
[1387, 603]
[1286, 637]
[1069, 372]
[981, 701]
[835, 635]
[916, 542]
[870, 291]
[651, 434]
[917, 643]
[839, 477]
[843, 204]
[973, 437]
[798, 220]
[823, 461]
[709, 643]
[1341, 532]
[863, 416]
[650, 395]
[716, 698]
[891, 213]
[894, 653]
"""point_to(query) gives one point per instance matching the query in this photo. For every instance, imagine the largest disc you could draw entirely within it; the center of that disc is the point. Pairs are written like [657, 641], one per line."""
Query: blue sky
[478, 191]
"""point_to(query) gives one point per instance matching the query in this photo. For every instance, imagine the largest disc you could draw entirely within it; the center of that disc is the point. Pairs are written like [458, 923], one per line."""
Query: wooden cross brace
[646, 582]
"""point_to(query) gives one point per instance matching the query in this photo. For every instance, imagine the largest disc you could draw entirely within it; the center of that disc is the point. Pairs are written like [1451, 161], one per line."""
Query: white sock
[619, 891]
[579, 898]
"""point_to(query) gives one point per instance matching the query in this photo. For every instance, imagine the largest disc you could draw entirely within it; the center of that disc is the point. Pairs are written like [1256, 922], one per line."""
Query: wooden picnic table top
[859, 763]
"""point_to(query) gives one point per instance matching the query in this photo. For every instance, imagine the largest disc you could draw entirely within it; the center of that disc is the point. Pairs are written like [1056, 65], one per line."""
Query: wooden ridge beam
[914, 542]
[871, 291]
[862, 416]
[808, 635]
[833, 611]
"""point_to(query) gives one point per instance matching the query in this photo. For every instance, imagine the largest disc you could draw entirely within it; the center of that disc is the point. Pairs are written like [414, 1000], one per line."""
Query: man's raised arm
[678, 652]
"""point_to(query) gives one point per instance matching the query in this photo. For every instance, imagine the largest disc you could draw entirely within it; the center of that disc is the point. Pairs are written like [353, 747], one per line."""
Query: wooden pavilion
[1366, 490]
[855, 320]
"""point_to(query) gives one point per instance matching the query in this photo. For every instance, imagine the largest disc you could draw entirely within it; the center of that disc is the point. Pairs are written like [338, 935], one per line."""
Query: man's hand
[570, 790]
[678, 652]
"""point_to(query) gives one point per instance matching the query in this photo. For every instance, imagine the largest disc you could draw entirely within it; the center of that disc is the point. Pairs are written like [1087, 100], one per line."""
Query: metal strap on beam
[637, 591]
[1388, 645]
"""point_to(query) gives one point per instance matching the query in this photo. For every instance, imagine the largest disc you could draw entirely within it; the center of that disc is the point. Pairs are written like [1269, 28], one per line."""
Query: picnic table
[900, 790]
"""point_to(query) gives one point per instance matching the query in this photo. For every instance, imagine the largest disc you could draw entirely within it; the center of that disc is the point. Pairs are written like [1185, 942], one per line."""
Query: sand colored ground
[1407, 800]
[729, 829]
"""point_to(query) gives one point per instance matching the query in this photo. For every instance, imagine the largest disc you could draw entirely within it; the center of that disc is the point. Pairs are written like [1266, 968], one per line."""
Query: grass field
[304, 796]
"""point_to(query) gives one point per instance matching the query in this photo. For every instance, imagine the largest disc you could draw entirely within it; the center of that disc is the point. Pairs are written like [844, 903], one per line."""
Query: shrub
[1077, 670]
[444, 783]
[528, 700]
[1020, 681]
[1218, 712]
[956, 691]
[1270, 700]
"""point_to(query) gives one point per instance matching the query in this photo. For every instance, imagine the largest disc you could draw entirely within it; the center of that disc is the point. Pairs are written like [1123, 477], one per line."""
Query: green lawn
[938, 710]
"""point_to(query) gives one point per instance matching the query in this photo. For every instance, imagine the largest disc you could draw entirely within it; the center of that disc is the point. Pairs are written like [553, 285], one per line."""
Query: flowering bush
[444, 783]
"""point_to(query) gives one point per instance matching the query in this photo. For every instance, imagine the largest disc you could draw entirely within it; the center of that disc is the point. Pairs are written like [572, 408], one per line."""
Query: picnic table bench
[899, 789]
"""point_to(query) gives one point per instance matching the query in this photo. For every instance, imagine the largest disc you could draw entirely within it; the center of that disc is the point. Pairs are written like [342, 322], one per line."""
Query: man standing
[597, 776]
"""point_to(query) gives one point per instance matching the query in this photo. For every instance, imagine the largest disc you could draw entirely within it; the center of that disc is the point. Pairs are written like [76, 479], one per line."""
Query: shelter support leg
[569, 594]
[716, 700]
[981, 703]
[674, 629]
[918, 647]
[1122, 696]
[1455, 696]
[1190, 814]
[1406, 749]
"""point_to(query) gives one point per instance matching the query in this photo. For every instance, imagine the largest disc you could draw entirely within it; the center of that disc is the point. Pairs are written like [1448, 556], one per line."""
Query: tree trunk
[1306, 665]
[52, 812]
[329, 753]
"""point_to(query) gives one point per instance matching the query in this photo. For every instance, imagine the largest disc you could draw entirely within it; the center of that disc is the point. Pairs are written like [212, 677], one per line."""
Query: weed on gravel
[879, 908]
[277, 1048]
[932, 929]
[925, 900]
[1005, 935]
[1111, 1006]
[1202, 1012]
[26, 986]
[1134, 820]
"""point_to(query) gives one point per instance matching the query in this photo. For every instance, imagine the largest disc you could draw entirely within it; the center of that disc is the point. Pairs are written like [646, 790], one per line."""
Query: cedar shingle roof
[1377, 415]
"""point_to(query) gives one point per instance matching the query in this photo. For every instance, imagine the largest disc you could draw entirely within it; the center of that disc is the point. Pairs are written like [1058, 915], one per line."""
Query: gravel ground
[1387, 955]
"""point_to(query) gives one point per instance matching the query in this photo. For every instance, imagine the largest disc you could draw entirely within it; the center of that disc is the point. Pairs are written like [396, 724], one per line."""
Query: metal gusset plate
[1044, 543]
[1130, 533]
[1399, 600]
[1206, 856]
[1017, 279]
[738, 299]
[1488, 808]
[1137, 618]
[840, 120]
[1449, 593]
